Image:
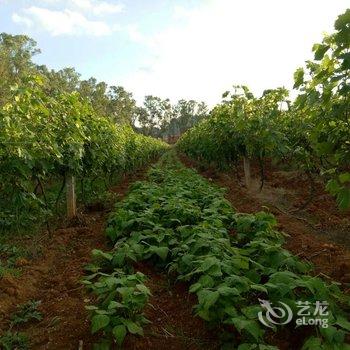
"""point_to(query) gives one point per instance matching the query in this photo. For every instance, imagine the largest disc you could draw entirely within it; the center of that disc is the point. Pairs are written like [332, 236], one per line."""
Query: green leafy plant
[9, 255]
[121, 299]
[27, 312]
[178, 221]
[324, 97]
[11, 341]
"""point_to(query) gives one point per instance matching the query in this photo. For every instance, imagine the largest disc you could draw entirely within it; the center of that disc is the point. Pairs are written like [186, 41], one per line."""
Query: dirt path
[318, 234]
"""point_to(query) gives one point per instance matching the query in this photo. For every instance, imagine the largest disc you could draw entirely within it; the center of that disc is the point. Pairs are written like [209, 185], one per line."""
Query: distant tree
[64, 80]
[159, 118]
[16, 52]
[154, 116]
[96, 93]
[122, 105]
[114, 101]
[142, 122]
[187, 114]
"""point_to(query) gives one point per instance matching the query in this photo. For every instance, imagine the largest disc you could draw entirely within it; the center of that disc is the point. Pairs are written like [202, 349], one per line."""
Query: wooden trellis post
[246, 166]
[71, 198]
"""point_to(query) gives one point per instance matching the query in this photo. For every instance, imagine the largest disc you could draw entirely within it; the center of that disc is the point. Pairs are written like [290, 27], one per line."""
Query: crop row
[310, 133]
[45, 137]
[184, 225]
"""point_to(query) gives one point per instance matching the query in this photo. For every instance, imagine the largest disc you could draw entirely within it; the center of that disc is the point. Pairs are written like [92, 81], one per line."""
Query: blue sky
[178, 49]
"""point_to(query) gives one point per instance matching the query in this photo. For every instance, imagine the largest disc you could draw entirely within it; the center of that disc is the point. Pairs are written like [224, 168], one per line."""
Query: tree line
[156, 117]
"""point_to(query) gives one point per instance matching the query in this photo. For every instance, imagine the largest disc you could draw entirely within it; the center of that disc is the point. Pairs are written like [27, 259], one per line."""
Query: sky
[192, 49]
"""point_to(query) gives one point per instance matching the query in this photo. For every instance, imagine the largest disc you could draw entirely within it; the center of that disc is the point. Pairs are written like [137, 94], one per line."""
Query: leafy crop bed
[183, 224]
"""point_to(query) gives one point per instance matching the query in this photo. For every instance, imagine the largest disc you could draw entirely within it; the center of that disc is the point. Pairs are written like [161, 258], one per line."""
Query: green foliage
[178, 221]
[11, 341]
[9, 254]
[159, 118]
[16, 52]
[44, 137]
[241, 125]
[312, 133]
[27, 312]
[121, 298]
[324, 98]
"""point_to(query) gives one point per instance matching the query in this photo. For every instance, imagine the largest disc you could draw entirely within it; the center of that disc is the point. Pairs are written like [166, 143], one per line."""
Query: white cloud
[93, 7]
[51, 2]
[70, 17]
[225, 42]
[65, 22]
[98, 8]
[16, 18]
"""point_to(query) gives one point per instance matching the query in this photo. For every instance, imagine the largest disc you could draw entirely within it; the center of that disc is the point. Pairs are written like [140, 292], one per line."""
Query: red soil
[54, 279]
[173, 325]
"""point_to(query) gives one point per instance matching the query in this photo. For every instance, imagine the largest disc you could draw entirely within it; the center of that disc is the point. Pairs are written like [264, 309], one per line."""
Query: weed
[14, 341]
[26, 312]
